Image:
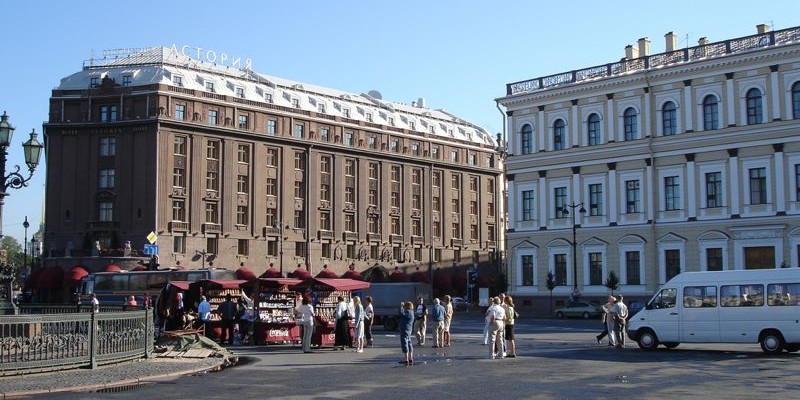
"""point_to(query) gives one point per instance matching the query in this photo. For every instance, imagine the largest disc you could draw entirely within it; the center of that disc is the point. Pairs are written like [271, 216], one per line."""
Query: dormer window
[369, 117]
[391, 121]
[295, 102]
[240, 92]
[210, 86]
[412, 125]
[126, 80]
[94, 82]
[321, 108]
[346, 112]
[177, 80]
[432, 129]
[268, 97]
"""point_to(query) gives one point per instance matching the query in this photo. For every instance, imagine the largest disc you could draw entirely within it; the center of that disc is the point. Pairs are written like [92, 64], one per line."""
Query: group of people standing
[615, 314]
[362, 316]
[414, 325]
[499, 328]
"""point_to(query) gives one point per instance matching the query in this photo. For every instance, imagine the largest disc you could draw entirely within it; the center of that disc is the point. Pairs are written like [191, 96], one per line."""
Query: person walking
[95, 303]
[620, 317]
[497, 315]
[306, 312]
[407, 318]
[608, 308]
[369, 317]
[487, 322]
[420, 321]
[604, 320]
[341, 333]
[437, 316]
[511, 316]
[228, 311]
[448, 319]
[359, 324]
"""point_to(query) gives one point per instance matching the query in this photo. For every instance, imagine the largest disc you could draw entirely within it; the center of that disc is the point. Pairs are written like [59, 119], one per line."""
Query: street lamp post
[14, 180]
[566, 210]
[25, 244]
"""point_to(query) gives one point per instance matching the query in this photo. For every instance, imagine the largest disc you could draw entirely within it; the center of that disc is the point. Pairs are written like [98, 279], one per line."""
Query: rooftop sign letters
[213, 57]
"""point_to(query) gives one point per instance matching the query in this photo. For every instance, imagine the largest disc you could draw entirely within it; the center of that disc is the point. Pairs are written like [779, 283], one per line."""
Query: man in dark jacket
[228, 311]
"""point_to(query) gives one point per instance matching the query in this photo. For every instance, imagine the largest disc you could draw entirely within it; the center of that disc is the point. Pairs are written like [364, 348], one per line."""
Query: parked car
[459, 304]
[585, 309]
[634, 308]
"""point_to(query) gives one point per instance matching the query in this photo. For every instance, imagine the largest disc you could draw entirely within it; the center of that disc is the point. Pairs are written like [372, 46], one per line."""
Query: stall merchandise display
[327, 301]
[216, 297]
[276, 306]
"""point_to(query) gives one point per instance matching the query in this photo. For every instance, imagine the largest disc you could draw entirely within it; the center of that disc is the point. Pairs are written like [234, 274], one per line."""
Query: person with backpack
[420, 321]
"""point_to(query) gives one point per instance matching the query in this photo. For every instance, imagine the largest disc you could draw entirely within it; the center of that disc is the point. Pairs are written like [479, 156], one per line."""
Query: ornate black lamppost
[15, 180]
[566, 211]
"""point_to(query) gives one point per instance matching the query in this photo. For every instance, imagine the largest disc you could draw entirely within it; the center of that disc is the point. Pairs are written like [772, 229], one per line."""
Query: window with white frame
[713, 189]
[180, 111]
[595, 199]
[755, 114]
[106, 179]
[633, 199]
[527, 270]
[630, 123]
[669, 119]
[526, 139]
[106, 211]
[209, 86]
[213, 117]
[633, 265]
[710, 113]
[672, 193]
[559, 201]
[177, 80]
[108, 146]
[239, 92]
[758, 185]
[593, 129]
[595, 268]
[528, 205]
[272, 127]
[559, 134]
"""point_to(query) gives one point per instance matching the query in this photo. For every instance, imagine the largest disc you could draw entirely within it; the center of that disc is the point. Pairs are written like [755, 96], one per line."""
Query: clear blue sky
[458, 54]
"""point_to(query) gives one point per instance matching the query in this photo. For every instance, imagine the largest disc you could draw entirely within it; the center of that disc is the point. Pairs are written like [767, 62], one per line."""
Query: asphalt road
[556, 360]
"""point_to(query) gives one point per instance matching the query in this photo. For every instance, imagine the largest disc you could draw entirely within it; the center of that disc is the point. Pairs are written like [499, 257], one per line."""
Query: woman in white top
[359, 324]
[369, 317]
[306, 311]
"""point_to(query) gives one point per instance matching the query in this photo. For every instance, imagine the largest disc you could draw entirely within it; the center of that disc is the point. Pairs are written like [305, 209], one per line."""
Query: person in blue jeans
[406, 328]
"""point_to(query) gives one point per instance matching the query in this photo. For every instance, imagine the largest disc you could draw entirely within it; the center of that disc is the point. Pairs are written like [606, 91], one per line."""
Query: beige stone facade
[234, 167]
[687, 160]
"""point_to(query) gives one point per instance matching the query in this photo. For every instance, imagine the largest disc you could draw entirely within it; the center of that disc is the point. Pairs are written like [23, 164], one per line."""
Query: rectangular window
[212, 149]
[454, 156]
[372, 224]
[560, 267]
[272, 248]
[350, 167]
[714, 259]
[325, 134]
[527, 205]
[368, 117]
[268, 97]
[212, 213]
[759, 257]
[325, 220]
[179, 177]
[243, 154]
[212, 245]
[632, 264]
[213, 116]
[212, 180]
[527, 270]
[242, 184]
[346, 112]
[324, 192]
[395, 225]
[272, 218]
[672, 261]
[272, 157]
[393, 145]
[106, 211]
[326, 250]
[349, 194]
[348, 139]
[295, 102]
[180, 111]
[209, 86]
[299, 219]
[242, 217]
[758, 186]
[672, 193]
[242, 247]
[455, 182]
[713, 189]
[416, 227]
[797, 182]
[435, 152]
[373, 197]
[179, 244]
[437, 229]
[456, 230]
[595, 199]
[299, 161]
[372, 142]
[415, 149]
[299, 189]
[456, 204]
[395, 199]
[473, 183]
[699, 296]
[350, 222]
[177, 80]
[272, 187]
[473, 231]
[179, 146]
[299, 131]
[178, 210]
[473, 207]
[741, 295]
[595, 268]
[321, 108]
[240, 92]
[560, 200]
[436, 179]
[94, 82]
[783, 294]
[108, 146]
[632, 197]
[272, 127]
[243, 119]
[300, 249]
[106, 179]
[126, 80]
[325, 164]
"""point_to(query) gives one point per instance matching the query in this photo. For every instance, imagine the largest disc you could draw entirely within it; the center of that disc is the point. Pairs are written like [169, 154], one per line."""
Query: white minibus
[743, 306]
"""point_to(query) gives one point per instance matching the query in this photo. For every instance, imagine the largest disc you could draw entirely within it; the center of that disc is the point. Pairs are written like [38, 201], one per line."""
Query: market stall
[215, 291]
[275, 303]
[324, 293]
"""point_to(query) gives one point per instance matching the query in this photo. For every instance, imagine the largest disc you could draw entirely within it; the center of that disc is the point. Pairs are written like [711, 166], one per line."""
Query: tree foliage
[612, 282]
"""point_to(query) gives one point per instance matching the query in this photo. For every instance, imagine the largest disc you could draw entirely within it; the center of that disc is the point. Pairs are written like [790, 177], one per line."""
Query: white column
[609, 121]
[512, 205]
[576, 125]
[775, 104]
[688, 107]
[691, 190]
[543, 196]
[780, 187]
[612, 197]
[731, 105]
[734, 179]
[541, 132]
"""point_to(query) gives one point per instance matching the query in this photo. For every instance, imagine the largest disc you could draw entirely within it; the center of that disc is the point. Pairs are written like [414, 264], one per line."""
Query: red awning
[276, 282]
[326, 273]
[245, 274]
[112, 268]
[51, 278]
[271, 273]
[350, 274]
[182, 285]
[72, 278]
[336, 284]
[420, 276]
[301, 273]
[398, 276]
[221, 284]
[441, 281]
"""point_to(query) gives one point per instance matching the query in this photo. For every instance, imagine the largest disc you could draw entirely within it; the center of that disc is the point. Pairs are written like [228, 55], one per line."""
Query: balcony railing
[178, 226]
[373, 237]
[325, 235]
[99, 225]
[456, 242]
[396, 238]
[209, 227]
[349, 236]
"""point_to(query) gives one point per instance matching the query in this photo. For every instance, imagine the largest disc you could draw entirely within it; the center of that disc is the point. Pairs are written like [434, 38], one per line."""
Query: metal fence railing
[63, 340]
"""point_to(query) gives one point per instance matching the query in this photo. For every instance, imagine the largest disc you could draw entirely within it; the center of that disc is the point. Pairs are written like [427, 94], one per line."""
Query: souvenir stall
[324, 293]
[170, 316]
[275, 303]
[215, 292]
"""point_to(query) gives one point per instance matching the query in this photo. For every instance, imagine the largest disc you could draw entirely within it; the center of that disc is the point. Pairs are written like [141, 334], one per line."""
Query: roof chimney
[644, 47]
[631, 52]
[762, 28]
[421, 102]
[672, 41]
[702, 41]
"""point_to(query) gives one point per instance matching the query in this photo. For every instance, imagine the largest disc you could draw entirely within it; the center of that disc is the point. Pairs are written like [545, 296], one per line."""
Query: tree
[612, 282]
[551, 284]
[12, 251]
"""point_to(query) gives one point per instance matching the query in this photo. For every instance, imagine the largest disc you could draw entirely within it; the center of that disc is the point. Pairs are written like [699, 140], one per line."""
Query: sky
[457, 54]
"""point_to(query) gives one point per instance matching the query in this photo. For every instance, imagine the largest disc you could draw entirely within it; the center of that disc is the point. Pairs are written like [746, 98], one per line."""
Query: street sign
[151, 249]
[152, 238]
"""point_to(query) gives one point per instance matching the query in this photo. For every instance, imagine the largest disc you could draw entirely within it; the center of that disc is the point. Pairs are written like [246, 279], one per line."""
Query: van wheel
[647, 340]
[586, 315]
[671, 345]
[559, 315]
[791, 348]
[390, 324]
[771, 342]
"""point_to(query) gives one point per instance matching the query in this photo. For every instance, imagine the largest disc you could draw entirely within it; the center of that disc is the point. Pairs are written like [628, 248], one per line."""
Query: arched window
[796, 100]
[593, 129]
[630, 122]
[559, 134]
[754, 111]
[526, 137]
[669, 119]
[710, 113]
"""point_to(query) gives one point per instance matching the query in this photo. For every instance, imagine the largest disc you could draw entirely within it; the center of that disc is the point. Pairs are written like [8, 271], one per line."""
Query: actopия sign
[213, 57]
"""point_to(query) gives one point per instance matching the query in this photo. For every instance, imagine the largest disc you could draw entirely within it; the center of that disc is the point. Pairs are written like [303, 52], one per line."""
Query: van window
[741, 296]
[699, 296]
[664, 299]
[783, 294]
